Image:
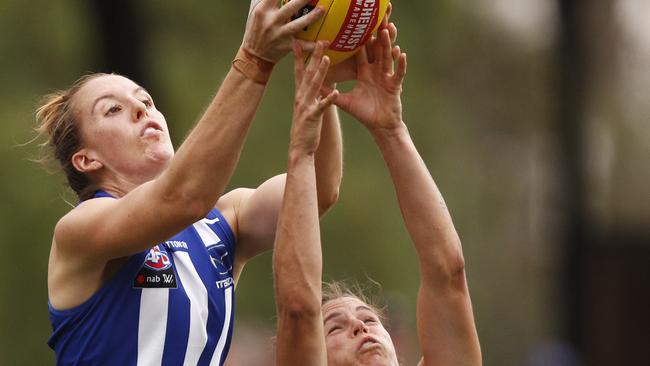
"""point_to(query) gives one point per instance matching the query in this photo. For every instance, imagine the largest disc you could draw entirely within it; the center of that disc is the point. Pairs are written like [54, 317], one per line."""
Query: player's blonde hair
[337, 289]
[58, 122]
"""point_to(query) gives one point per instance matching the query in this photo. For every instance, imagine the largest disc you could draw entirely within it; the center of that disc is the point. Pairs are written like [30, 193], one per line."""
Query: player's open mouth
[368, 343]
[151, 129]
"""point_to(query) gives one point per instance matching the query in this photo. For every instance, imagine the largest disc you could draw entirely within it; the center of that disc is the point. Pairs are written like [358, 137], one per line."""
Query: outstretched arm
[103, 229]
[329, 160]
[444, 312]
[254, 212]
[445, 322]
[297, 259]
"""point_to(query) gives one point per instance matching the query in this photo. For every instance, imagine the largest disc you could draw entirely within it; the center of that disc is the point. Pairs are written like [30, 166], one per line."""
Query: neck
[118, 185]
[118, 180]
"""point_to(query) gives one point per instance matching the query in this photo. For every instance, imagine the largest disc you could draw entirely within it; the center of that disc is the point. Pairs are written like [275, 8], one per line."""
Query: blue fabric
[104, 329]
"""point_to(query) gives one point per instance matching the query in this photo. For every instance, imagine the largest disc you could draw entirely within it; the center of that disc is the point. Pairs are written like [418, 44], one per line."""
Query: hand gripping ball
[346, 24]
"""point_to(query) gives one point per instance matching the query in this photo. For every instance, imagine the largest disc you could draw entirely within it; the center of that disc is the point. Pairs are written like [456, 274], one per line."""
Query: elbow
[297, 304]
[191, 207]
[447, 271]
[198, 209]
[299, 311]
[296, 309]
[455, 264]
[456, 273]
[327, 200]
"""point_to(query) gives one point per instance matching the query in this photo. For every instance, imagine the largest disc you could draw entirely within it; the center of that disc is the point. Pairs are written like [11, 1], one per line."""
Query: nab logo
[157, 260]
[157, 270]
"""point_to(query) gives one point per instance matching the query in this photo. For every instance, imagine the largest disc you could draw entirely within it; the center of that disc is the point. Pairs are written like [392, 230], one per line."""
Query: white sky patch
[632, 16]
[633, 19]
[532, 22]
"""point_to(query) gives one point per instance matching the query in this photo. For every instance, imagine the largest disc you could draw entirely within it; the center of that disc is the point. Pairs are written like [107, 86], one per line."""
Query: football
[346, 24]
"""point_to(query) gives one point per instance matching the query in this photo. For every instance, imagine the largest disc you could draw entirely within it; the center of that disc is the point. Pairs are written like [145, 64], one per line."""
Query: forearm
[445, 322]
[206, 160]
[422, 206]
[297, 258]
[329, 160]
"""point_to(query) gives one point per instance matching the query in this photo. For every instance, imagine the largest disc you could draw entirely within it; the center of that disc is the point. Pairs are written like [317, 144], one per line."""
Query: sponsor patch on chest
[156, 271]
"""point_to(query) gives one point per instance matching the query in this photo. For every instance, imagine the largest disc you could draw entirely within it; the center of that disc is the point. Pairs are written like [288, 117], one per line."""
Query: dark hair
[57, 120]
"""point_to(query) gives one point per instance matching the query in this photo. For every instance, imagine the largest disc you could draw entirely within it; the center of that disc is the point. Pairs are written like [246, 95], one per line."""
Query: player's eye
[113, 109]
[333, 329]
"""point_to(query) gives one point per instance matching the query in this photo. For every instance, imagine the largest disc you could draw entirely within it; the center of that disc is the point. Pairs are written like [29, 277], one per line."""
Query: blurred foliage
[477, 104]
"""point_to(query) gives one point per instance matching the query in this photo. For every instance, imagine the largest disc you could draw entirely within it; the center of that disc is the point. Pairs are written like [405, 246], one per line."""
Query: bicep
[256, 212]
[446, 327]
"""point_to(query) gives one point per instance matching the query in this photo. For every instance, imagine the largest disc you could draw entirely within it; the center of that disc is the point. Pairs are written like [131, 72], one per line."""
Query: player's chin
[160, 153]
[375, 357]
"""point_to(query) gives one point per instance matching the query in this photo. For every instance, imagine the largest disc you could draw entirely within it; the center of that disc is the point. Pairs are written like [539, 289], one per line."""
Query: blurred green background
[532, 116]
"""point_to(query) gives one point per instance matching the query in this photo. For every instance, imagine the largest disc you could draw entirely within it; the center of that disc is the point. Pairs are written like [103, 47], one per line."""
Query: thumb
[343, 101]
[325, 90]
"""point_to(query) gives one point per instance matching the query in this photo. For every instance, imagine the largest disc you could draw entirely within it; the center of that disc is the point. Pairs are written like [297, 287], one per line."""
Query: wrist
[399, 130]
[252, 67]
[298, 155]
[393, 142]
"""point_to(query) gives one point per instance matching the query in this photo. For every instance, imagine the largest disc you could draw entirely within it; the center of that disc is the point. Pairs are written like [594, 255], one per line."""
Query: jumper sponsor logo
[225, 283]
[165, 278]
[176, 244]
[157, 270]
[157, 260]
[361, 19]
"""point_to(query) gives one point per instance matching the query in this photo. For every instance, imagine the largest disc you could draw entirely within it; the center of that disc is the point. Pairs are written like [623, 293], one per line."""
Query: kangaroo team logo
[219, 258]
[157, 260]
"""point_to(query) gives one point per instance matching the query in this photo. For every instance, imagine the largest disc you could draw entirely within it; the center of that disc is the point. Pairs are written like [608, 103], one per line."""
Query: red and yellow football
[346, 24]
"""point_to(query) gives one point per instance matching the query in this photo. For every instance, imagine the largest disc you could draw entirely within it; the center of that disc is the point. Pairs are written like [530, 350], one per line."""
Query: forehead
[107, 84]
[350, 304]
[102, 86]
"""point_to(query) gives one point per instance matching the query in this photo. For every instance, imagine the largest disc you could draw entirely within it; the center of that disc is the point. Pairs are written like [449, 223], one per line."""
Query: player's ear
[84, 161]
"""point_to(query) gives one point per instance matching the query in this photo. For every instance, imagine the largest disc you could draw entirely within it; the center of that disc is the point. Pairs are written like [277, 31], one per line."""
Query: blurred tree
[571, 94]
[606, 267]
[121, 39]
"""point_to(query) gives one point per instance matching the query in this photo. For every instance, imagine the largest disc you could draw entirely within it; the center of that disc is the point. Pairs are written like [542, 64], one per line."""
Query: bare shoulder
[77, 223]
[229, 205]
[74, 272]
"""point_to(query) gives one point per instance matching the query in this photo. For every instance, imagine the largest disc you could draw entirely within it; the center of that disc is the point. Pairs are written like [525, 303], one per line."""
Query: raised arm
[297, 259]
[329, 160]
[255, 211]
[103, 229]
[445, 322]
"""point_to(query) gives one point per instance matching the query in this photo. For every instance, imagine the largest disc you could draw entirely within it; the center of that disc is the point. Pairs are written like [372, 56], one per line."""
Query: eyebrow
[108, 96]
[337, 314]
[363, 307]
[333, 315]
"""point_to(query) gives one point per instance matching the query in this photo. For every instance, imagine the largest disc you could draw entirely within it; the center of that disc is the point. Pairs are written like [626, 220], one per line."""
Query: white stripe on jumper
[198, 296]
[216, 356]
[211, 221]
[152, 325]
[208, 236]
